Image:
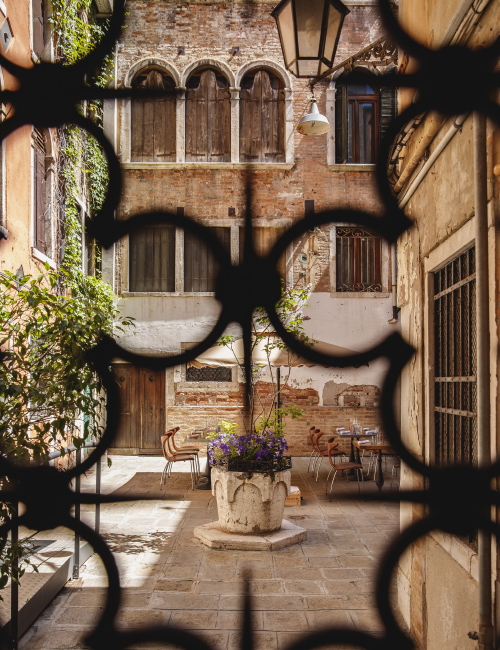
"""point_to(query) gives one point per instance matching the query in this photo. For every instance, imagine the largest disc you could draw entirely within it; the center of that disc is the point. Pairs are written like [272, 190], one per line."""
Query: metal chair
[322, 452]
[175, 458]
[312, 432]
[342, 466]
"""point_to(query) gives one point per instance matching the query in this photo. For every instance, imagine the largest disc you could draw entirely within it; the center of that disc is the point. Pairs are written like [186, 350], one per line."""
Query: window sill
[352, 168]
[167, 294]
[360, 294]
[461, 552]
[209, 165]
[43, 258]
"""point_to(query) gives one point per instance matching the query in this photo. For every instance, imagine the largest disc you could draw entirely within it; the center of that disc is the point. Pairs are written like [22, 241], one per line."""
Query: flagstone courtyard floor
[169, 577]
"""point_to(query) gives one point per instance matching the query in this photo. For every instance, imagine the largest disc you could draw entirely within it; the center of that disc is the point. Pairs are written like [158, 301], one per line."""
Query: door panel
[142, 410]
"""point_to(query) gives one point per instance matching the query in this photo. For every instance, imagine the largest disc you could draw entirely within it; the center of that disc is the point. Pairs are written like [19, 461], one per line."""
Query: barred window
[359, 254]
[455, 409]
[223, 373]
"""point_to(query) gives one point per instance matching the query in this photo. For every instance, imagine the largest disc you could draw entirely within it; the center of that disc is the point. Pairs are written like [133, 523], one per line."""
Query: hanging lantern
[309, 33]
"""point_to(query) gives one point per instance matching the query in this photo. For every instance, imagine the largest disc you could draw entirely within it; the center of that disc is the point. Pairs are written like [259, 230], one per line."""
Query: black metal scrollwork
[48, 96]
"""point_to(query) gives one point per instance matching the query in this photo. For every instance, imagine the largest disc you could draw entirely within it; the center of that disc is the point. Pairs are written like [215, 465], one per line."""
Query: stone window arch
[262, 117]
[208, 116]
[153, 119]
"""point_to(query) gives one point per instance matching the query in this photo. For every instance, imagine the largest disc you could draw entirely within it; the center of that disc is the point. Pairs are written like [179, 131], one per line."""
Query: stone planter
[250, 503]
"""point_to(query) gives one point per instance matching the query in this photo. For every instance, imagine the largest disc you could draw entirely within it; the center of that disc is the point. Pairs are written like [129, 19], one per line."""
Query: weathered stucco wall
[437, 576]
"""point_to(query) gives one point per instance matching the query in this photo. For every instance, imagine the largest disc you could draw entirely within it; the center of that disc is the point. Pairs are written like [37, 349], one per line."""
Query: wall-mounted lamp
[313, 123]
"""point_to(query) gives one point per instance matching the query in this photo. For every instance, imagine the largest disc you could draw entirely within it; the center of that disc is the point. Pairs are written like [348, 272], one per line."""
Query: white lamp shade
[313, 123]
[309, 32]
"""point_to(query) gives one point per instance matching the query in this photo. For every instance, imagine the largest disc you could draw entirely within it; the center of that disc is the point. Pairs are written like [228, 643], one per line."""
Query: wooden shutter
[152, 259]
[341, 126]
[264, 238]
[208, 119]
[262, 119]
[153, 121]
[387, 110]
[37, 15]
[200, 266]
[39, 190]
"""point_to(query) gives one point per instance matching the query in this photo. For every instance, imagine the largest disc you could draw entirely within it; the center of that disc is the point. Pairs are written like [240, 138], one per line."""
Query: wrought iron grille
[223, 373]
[48, 96]
[456, 361]
[359, 255]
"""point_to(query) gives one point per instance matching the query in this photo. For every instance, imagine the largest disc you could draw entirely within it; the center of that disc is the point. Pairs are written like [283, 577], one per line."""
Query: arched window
[153, 119]
[262, 118]
[208, 117]
[362, 116]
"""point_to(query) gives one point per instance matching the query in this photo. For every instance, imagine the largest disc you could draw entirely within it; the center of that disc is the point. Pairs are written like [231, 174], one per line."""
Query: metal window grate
[222, 373]
[358, 260]
[455, 361]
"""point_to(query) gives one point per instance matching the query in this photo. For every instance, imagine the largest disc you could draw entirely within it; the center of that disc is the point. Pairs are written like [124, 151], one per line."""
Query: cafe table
[354, 455]
[382, 448]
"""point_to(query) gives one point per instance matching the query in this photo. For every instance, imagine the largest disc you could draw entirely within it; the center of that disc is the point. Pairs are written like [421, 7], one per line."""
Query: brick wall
[196, 410]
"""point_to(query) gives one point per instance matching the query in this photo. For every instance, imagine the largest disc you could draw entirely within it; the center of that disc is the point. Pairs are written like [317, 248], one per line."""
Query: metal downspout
[483, 370]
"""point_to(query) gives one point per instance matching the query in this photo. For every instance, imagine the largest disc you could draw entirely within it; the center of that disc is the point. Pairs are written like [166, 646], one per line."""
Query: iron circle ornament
[66, 90]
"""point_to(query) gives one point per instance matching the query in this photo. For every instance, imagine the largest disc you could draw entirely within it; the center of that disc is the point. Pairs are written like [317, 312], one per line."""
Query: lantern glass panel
[309, 14]
[308, 68]
[287, 33]
[334, 23]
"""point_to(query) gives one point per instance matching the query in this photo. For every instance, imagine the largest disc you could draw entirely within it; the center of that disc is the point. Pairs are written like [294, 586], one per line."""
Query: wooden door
[142, 410]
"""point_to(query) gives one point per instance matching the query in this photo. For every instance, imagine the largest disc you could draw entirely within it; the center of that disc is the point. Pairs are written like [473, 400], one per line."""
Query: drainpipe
[483, 371]
[395, 308]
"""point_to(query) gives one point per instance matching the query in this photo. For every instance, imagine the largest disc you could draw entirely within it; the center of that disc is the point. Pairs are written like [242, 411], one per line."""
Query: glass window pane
[366, 118]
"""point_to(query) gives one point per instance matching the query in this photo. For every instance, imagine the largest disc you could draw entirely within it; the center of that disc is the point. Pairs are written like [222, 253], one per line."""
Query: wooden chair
[341, 466]
[191, 449]
[175, 458]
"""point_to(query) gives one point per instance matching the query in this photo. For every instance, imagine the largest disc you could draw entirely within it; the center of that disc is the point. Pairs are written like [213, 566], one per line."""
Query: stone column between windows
[180, 125]
[125, 144]
[179, 260]
[333, 259]
[330, 115]
[235, 124]
[235, 244]
[289, 131]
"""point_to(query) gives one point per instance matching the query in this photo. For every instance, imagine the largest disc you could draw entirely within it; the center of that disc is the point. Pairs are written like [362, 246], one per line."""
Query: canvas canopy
[221, 355]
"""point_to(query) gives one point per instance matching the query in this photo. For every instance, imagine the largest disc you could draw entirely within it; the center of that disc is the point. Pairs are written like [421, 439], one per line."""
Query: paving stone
[138, 618]
[266, 587]
[83, 616]
[174, 585]
[227, 620]
[326, 618]
[302, 587]
[262, 641]
[194, 620]
[220, 587]
[161, 600]
[62, 639]
[285, 621]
